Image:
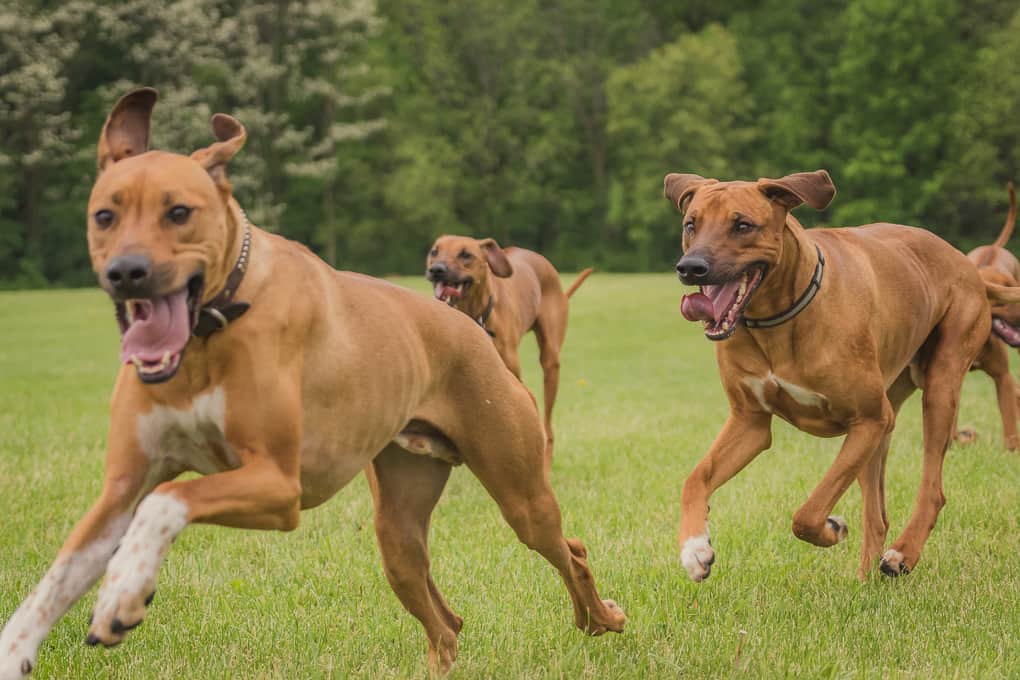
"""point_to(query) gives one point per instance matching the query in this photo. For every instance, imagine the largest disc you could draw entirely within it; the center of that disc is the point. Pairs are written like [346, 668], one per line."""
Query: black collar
[803, 301]
[485, 317]
[221, 310]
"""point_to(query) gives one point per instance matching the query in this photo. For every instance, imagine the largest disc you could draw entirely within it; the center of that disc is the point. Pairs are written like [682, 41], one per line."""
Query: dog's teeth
[137, 362]
[165, 361]
[129, 311]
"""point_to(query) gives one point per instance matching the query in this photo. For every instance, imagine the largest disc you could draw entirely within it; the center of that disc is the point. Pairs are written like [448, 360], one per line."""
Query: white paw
[697, 557]
[839, 525]
[131, 574]
[893, 564]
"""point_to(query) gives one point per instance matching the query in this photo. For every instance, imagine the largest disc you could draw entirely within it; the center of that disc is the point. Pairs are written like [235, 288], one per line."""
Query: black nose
[692, 268]
[129, 274]
[437, 270]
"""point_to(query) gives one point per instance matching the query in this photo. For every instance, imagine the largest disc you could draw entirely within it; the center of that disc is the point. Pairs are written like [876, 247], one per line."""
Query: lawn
[639, 403]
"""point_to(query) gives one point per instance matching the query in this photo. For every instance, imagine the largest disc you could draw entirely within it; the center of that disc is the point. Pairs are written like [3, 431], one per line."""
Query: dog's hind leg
[995, 362]
[550, 339]
[406, 488]
[519, 482]
[959, 339]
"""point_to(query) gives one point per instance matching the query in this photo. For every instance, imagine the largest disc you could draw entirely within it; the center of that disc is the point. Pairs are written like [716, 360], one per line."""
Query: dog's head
[1005, 318]
[160, 226]
[456, 265]
[733, 237]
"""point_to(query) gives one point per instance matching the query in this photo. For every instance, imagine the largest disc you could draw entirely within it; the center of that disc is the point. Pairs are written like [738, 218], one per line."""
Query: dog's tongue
[710, 304]
[160, 326]
[697, 307]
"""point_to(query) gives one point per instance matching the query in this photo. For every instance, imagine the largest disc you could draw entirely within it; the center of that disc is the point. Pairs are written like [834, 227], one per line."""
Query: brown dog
[829, 329]
[999, 266]
[508, 292]
[280, 400]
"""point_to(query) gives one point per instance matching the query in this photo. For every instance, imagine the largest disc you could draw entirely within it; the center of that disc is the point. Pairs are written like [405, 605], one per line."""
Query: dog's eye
[104, 218]
[179, 214]
[465, 255]
[433, 252]
[743, 227]
[689, 228]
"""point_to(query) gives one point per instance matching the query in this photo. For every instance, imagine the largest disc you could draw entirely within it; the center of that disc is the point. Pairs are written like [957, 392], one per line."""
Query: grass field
[639, 403]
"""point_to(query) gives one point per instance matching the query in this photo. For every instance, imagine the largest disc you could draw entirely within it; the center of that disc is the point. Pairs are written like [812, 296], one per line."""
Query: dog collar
[803, 301]
[221, 310]
[485, 317]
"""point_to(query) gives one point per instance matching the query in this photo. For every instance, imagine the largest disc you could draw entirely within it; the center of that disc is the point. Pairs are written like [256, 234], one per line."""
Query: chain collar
[484, 317]
[221, 310]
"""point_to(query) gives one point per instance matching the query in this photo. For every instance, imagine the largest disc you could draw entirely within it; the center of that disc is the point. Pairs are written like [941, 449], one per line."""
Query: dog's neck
[477, 299]
[236, 225]
[789, 278]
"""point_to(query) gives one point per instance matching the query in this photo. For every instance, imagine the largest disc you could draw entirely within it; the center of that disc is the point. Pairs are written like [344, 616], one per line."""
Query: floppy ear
[496, 258]
[230, 136]
[126, 131]
[814, 188]
[678, 188]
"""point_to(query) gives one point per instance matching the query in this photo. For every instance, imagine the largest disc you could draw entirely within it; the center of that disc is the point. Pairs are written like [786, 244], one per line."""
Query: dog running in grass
[508, 292]
[249, 360]
[997, 265]
[831, 330]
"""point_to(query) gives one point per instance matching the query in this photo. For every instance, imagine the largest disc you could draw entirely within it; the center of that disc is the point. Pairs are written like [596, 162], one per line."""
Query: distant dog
[250, 361]
[523, 293]
[831, 330]
[999, 266]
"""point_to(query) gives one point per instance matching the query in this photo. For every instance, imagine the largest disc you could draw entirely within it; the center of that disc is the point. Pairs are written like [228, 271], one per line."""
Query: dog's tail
[579, 280]
[1007, 228]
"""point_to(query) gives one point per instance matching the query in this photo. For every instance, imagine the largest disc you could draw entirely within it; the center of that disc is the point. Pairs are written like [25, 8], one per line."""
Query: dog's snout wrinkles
[692, 268]
[129, 273]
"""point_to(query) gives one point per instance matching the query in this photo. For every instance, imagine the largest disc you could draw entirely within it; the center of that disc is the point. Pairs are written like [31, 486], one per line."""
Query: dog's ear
[126, 131]
[496, 258]
[678, 187]
[230, 136]
[814, 188]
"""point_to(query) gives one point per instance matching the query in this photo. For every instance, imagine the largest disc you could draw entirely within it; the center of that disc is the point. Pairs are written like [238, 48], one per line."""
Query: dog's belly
[189, 438]
[802, 407]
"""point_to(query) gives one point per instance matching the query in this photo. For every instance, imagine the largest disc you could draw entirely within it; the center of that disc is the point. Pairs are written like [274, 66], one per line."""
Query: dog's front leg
[258, 495]
[741, 439]
[79, 564]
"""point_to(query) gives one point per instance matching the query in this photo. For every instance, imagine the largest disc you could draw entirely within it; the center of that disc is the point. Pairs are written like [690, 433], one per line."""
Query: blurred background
[376, 125]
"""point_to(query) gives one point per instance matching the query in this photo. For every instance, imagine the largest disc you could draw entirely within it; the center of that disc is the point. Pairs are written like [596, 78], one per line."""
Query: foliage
[548, 124]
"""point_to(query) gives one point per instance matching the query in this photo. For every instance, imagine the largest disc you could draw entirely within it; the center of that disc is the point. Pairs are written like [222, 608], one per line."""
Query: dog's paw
[697, 557]
[893, 564]
[15, 667]
[839, 527]
[966, 436]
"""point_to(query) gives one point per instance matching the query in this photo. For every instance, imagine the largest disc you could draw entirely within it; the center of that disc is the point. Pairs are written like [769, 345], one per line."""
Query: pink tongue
[451, 292]
[697, 307]
[166, 328]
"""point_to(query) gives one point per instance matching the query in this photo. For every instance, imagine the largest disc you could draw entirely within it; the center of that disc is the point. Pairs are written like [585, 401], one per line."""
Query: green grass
[639, 403]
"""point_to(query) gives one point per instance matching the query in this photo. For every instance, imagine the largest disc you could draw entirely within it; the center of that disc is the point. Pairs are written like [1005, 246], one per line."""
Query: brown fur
[999, 267]
[527, 296]
[898, 309]
[327, 373]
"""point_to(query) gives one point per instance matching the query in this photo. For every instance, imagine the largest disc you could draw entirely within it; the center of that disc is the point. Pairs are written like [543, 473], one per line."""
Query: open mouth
[450, 293]
[721, 306]
[155, 331]
[1007, 332]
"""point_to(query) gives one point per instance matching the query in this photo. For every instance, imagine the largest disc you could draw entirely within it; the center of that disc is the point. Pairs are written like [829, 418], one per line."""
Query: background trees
[375, 125]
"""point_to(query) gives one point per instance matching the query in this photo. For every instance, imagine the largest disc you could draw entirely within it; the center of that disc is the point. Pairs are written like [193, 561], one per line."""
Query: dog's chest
[189, 438]
[803, 407]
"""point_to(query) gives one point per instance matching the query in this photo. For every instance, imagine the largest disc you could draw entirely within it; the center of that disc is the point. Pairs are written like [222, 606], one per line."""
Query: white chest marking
[192, 437]
[802, 396]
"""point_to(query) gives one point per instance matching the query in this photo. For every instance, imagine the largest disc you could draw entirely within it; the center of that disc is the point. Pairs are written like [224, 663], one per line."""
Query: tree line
[375, 125]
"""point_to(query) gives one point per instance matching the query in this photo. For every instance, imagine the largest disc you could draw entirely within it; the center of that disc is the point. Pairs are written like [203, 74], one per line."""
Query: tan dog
[831, 330]
[281, 404]
[508, 292]
[999, 266]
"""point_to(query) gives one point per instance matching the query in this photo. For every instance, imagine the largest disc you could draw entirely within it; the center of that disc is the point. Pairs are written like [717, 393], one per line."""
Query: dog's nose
[692, 269]
[129, 273]
[437, 270]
